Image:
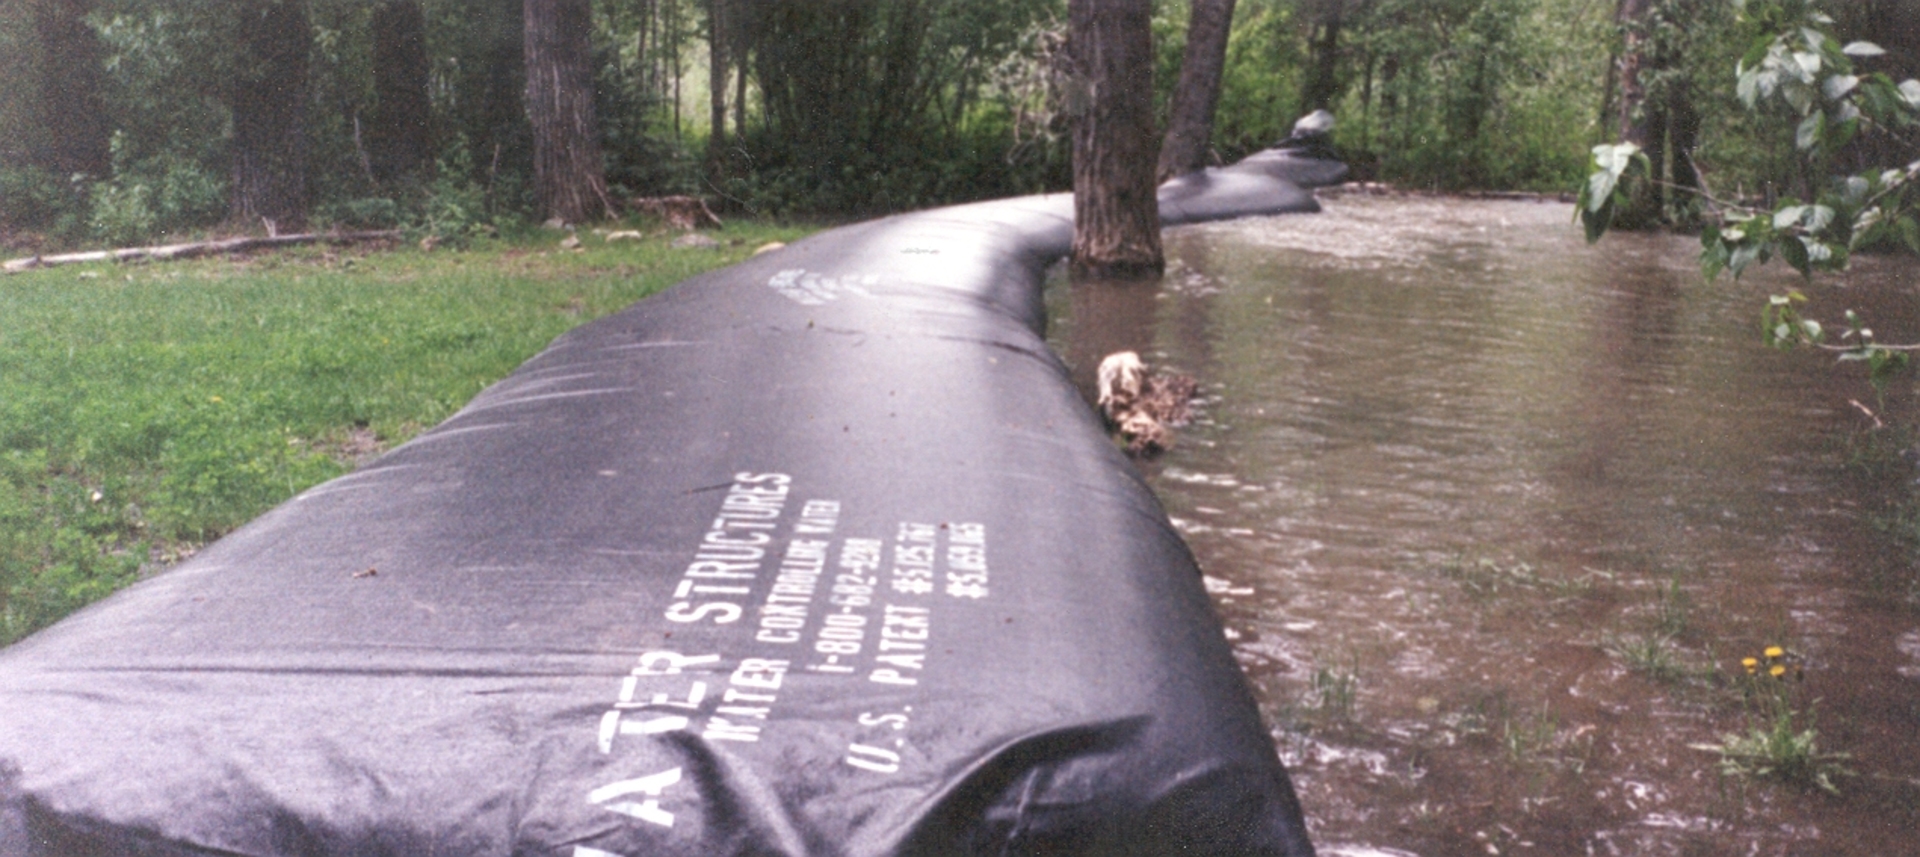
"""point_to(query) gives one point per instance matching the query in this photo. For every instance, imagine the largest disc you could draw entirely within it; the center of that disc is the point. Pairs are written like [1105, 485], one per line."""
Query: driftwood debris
[1142, 406]
[681, 212]
[169, 252]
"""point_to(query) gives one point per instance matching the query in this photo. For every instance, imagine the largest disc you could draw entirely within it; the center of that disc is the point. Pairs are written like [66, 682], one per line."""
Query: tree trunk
[1324, 37]
[1116, 217]
[268, 99]
[568, 177]
[1630, 109]
[1190, 118]
[71, 119]
[398, 142]
[717, 84]
[502, 89]
[1638, 120]
[742, 43]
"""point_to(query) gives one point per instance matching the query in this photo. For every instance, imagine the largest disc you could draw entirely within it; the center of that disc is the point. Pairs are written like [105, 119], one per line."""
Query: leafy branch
[1797, 64]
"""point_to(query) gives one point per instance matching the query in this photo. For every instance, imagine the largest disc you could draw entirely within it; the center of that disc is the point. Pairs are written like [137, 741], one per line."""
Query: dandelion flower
[1778, 670]
[1751, 664]
[1775, 652]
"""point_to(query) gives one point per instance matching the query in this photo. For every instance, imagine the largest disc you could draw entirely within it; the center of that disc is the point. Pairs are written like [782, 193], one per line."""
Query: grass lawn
[145, 410]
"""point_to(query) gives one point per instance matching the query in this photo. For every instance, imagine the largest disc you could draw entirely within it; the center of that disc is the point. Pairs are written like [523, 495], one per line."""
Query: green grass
[145, 410]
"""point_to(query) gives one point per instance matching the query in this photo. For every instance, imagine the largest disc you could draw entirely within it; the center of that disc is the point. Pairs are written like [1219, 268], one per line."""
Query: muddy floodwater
[1492, 518]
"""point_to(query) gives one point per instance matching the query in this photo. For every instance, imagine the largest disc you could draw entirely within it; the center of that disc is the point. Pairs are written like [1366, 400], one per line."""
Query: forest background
[124, 122]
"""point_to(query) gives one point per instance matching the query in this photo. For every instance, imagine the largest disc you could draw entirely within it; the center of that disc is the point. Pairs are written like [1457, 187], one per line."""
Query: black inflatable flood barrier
[817, 554]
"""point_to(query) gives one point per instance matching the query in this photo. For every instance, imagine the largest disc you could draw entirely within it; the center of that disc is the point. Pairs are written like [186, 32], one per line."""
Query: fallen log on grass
[685, 213]
[189, 250]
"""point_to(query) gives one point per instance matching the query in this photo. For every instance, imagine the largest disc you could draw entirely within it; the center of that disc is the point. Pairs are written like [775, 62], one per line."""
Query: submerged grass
[146, 410]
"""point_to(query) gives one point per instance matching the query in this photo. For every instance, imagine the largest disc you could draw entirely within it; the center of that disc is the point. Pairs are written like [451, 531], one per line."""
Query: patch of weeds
[1332, 691]
[1672, 608]
[1882, 452]
[1775, 744]
[1329, 699]
[1652, 655]
[1530, 736]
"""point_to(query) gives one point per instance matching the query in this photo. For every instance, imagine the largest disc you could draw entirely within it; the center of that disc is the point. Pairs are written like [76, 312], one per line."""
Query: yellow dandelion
[1775, 652]
[1751, 664]
[1778, 670]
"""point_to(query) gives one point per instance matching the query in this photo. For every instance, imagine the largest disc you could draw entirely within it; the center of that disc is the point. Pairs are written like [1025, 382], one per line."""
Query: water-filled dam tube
[817, 554]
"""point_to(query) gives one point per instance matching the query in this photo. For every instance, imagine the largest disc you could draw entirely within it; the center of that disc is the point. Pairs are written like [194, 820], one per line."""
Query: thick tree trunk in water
[1116, 217]
[1637, 120]
[398, 142]
[1190, 118]
[70, 117]
[569, 179]
[268, 99]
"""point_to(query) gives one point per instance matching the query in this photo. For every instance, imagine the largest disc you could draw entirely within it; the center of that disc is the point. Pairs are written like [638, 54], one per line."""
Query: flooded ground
[1492, 518]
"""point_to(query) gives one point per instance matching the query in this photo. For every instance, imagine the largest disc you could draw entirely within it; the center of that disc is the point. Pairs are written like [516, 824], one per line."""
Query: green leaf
[1910, 90]
[1743, 256]
[1713, 252]
[1818, 218]
[1837, 86]
[1596, 222]
[1807, 63]
[1862, 49]
[1799, 95]
[1748, 87]
[1811, 131]
[1788, 216]
[1909, 232]
[1794, 251]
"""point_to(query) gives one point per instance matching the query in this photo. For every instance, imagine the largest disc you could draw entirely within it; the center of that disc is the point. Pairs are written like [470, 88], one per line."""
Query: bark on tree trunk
[503, 114]
[398, 142]
[1322, 85]
[1190, 118]
[268, 100]
[717, 84]
[1116, 217]
[568, 177]
[70, 118]
[1630, 115]
[1638, 120]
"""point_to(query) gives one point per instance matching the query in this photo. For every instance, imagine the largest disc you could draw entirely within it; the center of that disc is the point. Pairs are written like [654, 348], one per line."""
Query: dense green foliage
[855, 107]
[146, 410]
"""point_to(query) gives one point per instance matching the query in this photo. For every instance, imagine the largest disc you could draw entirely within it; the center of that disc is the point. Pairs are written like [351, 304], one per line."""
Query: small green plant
[1529, 737]
[1672, 608]
[1780, 740]
[1652, 655]
[1332, 691]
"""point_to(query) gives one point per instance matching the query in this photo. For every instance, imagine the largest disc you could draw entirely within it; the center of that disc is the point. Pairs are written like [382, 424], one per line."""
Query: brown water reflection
[1455, 465]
